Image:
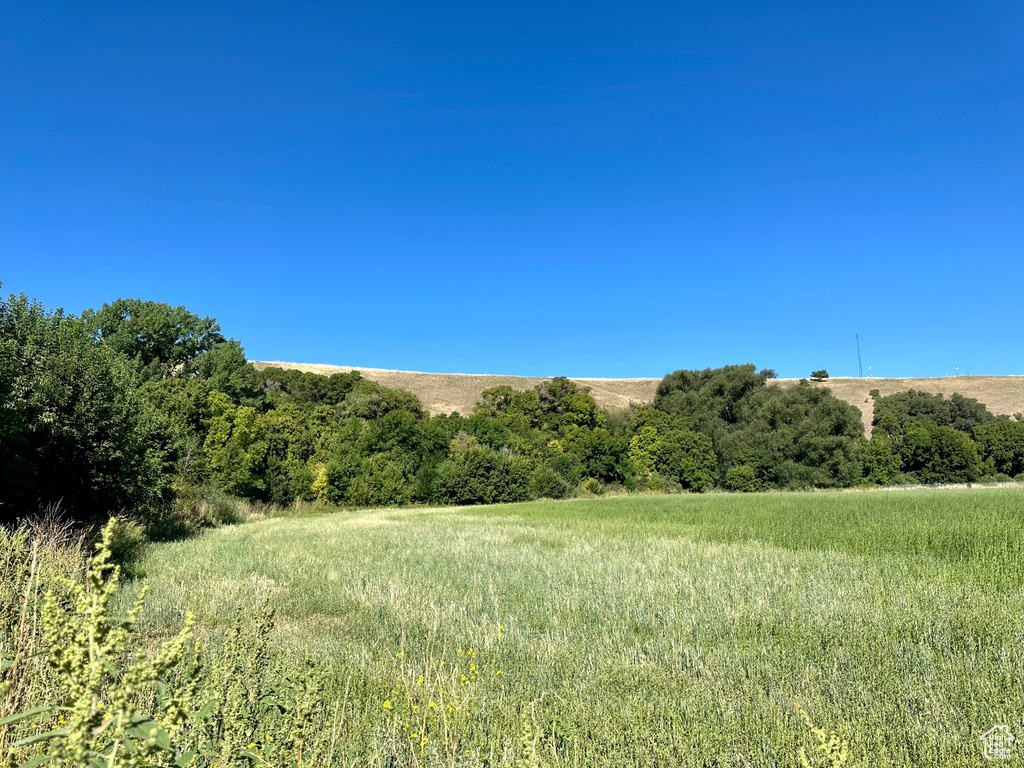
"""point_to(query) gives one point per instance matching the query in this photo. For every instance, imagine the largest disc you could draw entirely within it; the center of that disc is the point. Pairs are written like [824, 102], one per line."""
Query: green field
[657, 630]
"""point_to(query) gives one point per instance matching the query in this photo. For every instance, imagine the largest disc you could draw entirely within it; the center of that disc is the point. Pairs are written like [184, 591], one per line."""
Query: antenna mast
[860, 366]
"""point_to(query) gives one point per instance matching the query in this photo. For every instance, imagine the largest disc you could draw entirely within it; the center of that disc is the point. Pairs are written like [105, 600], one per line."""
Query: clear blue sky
[585, 189]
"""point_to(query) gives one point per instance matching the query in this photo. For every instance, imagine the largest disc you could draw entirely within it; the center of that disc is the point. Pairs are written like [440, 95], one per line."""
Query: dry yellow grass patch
[447, 392]
[1000, 394]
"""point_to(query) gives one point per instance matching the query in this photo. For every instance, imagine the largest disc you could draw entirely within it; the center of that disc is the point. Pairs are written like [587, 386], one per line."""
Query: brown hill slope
[1001, 394]
[447, 392]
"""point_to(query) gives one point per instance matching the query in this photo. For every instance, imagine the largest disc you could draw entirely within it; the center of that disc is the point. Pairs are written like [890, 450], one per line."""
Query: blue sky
[585, 189]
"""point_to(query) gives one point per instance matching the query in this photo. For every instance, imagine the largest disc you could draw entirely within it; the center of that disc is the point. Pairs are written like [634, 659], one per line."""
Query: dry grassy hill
[447, 392]
[1001, 394]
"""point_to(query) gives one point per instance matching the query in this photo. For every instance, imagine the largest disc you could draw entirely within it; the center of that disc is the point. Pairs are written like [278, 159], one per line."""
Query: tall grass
[34, 559]
[681, 630]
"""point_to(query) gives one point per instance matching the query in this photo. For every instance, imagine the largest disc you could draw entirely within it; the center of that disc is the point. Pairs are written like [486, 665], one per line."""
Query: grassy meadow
[636, 630]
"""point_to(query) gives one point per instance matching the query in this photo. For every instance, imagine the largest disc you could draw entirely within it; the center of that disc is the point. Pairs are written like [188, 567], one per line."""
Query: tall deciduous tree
[161, 339]
[72, 430]
[1002, 444]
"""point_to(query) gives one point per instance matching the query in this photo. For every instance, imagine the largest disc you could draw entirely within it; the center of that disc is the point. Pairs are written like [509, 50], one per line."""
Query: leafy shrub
[879, 464]
[127, 542]
[546, 483]
[743, 477]
[194, 508]
[381, 482]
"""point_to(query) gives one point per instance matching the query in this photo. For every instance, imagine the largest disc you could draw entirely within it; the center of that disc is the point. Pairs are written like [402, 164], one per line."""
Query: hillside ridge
[447, 392]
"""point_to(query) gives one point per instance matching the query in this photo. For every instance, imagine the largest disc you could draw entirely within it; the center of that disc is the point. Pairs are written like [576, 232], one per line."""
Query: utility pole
[860, 366]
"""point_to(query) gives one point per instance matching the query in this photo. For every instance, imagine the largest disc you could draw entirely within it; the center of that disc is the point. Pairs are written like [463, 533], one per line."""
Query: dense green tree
[399, 434]
[893, 412]
[879, 464]
[306, 388]
[567, 463]
[182, 413]
[492, 432]
[518, 410]
[966, 413]
[161, 339]
[73, 431]
[1002, 444]
[370, 400]
[744, 478]
[667, 445]
[475, 474]
[930, 434]
[801, 436]
[546, 483]
[709, 394]
[297, 440]
[938, 454]
[604, 456]
[641, 453]
[226, 370]
[380, 481]
[465, 478]
[564, 403]
[687, 458]
[788, 437]
[237, 447]
[339, 471]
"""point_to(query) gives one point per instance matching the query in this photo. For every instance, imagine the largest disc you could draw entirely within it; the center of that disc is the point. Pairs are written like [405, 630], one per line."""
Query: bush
[591, 487]
[937, 454]
[743, 477]
[1002, 443]
[546, 483]
[879, 465]
[194, 508]
[127, 543]
[382, 482]
[999, 477]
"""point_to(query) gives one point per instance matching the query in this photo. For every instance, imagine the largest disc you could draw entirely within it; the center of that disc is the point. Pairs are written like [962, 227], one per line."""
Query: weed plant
[94, 703]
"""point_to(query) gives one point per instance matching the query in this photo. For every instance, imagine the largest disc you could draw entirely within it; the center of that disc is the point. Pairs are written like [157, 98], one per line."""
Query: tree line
[138, 406]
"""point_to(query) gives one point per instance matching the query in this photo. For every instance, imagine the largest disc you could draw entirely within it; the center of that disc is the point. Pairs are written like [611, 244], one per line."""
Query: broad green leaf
[151, 729]
[206, 710]
[35, 761]
[22, 715]
[54, 734]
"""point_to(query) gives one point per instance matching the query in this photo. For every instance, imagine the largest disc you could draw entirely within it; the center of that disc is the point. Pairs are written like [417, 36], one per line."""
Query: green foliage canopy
[162, 339]
[73, 431]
